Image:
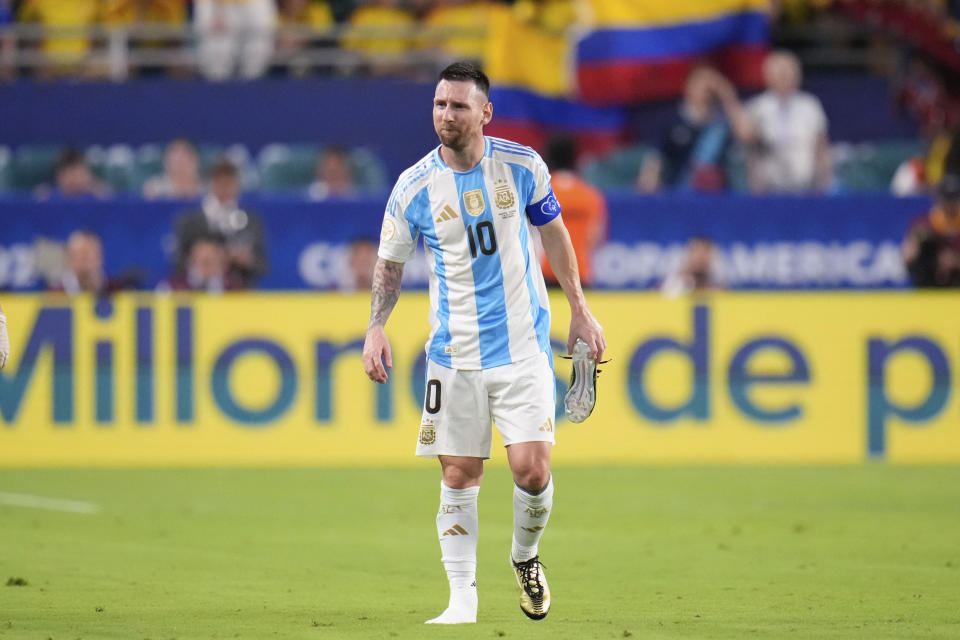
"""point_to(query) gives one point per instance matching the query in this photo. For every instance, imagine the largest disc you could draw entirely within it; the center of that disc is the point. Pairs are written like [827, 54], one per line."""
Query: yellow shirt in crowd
[378, 16]
[124, 12]
[62, 14]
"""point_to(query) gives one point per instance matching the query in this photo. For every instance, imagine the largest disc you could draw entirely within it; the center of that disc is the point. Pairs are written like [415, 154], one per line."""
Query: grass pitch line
[50, 504]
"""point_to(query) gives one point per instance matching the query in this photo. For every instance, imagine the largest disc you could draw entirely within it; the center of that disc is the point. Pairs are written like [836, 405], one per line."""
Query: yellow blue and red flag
[642, 49]
[529, 59]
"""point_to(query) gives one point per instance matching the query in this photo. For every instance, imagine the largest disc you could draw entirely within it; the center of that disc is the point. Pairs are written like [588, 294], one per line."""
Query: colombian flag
[642, 49]
[529, 59]
[531, 119]
[633, 51]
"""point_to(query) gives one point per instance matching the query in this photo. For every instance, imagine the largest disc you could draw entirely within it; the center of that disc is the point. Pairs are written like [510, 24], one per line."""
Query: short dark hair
[949, 186]
[467, 72]
[335, 150]
[224, 168]
[70, 158]
[561, 153]
[211, 237]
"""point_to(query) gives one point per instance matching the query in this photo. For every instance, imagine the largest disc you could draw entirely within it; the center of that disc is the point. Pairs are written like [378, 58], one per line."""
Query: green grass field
[869, 551]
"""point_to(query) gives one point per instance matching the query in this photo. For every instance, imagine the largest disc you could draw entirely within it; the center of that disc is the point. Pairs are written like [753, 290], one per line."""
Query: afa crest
[428, 434]
[473, 202]
[505, 198]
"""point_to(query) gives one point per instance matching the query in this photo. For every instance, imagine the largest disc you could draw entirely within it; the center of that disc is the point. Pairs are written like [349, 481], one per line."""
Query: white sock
[457, 528]
[530, 515]
[462, 608]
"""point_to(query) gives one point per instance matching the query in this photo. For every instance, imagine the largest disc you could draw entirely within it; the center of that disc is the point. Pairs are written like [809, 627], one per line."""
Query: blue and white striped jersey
[488, 302]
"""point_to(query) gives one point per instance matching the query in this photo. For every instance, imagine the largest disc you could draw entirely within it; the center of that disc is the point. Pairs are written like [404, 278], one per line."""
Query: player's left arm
[4, 340]
[563, 261]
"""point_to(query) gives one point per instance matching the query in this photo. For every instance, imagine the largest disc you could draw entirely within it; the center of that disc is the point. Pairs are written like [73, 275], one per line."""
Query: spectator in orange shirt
[584, 209]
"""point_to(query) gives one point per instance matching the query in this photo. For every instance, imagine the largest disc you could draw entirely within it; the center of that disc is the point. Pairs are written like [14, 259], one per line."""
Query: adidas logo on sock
[456, 530]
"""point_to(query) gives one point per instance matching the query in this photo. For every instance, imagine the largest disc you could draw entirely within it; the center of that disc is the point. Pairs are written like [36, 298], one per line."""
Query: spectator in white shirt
[181, 174]
[789, 151]
[234, 37]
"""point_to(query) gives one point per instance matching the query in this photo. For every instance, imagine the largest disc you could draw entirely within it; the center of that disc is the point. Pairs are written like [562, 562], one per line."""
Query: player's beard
[454, 139]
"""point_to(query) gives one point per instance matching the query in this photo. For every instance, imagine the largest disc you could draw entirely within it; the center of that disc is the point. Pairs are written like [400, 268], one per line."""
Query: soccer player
[4, 340]
[488, 355]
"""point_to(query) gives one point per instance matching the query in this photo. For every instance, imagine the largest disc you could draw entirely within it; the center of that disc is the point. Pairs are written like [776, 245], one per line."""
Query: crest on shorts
[473, 202]
[428, 434]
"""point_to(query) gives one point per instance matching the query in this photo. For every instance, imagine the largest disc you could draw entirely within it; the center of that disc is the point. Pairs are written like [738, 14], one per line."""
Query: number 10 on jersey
[484, 238]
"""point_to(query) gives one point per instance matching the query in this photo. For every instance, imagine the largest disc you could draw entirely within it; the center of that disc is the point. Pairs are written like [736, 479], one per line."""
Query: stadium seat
[617, 170]
[147, 162]
[207, 154]
[870, 166]
[368, 171]
[32, 166]
[239, 155]
[287, 168]
[4, 168]
[114, 165]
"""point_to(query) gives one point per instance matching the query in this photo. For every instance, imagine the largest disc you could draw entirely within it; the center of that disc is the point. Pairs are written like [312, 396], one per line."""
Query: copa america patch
[550, 206]
[388, 230]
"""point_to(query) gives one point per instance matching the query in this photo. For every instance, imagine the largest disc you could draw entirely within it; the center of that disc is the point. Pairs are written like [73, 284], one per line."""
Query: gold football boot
[534, 592]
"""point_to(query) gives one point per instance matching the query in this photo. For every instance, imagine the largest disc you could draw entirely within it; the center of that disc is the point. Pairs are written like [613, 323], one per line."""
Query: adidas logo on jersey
[447, 214]
[547, 426]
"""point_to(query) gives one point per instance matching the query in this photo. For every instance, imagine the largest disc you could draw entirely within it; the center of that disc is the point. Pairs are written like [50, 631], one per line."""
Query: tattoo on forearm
[386, 290]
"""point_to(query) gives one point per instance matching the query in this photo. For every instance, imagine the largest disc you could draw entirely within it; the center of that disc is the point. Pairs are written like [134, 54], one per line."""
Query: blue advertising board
[774, 242]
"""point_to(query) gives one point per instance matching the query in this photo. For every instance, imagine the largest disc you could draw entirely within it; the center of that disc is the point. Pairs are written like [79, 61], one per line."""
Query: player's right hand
[377, 357]
[584, 326]
[4, 341]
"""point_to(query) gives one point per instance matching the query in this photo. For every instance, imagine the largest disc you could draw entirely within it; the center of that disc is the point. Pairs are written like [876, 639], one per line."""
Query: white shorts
[459, 405]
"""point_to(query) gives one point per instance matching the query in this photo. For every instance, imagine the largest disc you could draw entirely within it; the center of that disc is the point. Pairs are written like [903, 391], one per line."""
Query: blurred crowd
[181, 170]
[218, 243]
[219, 246]
[783, 131]
[240, 38]
[713, 138]
[246, 38]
